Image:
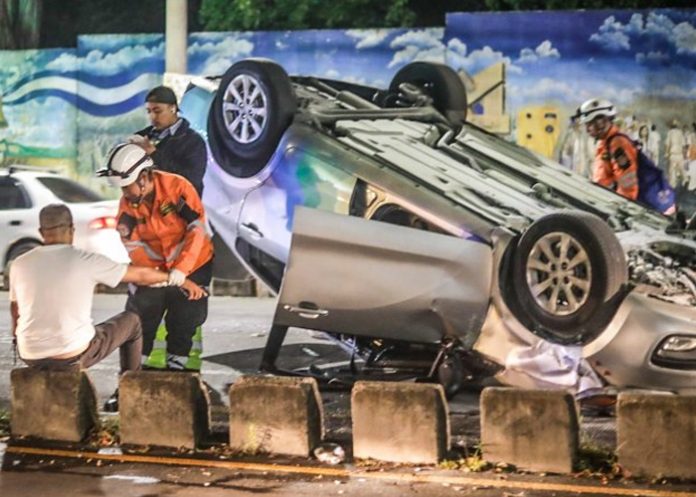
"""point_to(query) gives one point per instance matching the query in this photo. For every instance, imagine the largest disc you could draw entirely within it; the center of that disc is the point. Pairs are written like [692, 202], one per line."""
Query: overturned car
[386, 219]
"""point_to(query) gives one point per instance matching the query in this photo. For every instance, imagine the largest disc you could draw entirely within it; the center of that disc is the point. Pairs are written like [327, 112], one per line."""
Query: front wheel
[566, 269]
[253, 107]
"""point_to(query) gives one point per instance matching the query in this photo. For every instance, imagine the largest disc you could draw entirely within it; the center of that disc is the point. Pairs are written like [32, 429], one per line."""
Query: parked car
[386, 219]
[24, 190]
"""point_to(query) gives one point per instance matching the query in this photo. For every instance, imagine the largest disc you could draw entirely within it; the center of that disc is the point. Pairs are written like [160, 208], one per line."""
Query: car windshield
[69, 191]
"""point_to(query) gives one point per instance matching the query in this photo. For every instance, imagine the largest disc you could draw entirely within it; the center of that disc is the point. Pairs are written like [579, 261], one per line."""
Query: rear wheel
[254, 105]
[439, 82]
[566, 269]
[19, 249]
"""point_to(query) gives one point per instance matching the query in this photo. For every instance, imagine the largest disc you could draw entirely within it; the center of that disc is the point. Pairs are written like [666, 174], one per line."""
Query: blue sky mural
[567, 57]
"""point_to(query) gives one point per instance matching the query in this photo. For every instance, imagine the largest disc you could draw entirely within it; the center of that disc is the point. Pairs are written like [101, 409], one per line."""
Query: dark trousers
[123, 331]
[181, 316]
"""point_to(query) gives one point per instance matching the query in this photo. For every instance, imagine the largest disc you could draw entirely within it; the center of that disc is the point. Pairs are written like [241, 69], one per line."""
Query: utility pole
[176, 36]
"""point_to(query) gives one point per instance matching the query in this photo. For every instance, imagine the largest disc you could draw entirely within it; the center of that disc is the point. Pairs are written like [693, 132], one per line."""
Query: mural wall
[525, 74]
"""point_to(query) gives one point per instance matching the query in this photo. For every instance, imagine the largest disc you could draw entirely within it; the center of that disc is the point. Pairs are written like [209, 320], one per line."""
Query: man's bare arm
[144, 276]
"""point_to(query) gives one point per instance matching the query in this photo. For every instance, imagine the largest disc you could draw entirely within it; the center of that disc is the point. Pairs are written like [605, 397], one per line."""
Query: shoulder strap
[609, 140]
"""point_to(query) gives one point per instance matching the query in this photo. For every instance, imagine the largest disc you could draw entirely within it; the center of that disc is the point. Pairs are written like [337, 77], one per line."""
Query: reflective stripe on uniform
[158, 356]
[628, 180]
[196, 224]
[131, 246]
[176, 252]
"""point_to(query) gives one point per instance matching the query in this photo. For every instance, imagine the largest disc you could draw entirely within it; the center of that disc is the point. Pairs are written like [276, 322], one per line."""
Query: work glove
[176, 278]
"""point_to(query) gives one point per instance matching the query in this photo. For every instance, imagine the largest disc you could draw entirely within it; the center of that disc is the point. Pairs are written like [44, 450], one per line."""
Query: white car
[24, 190]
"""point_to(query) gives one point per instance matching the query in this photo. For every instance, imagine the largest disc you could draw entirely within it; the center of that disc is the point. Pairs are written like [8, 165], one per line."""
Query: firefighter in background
[675, 146]
[162, 224]
[616, 168]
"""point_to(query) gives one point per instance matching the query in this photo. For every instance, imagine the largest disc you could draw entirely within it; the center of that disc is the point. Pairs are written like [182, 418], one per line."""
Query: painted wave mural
[68, 107]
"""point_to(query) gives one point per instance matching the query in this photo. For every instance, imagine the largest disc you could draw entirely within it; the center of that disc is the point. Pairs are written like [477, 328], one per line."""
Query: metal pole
[176, 36]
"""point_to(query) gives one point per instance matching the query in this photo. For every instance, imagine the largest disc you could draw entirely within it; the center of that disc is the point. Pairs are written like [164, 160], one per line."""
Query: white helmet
[125, 163]
[593, 108]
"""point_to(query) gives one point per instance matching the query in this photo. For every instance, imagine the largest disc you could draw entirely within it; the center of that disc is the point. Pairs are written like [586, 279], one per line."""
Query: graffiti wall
[38, 108]
[525, 74]
[643, 61]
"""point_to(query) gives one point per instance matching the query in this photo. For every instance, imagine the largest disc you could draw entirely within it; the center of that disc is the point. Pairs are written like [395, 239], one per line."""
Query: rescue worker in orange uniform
[161, 221]
[616, 168]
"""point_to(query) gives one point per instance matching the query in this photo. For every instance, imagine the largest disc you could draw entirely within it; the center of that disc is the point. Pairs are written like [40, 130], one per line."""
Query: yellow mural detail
[486, 91]
[538, 128]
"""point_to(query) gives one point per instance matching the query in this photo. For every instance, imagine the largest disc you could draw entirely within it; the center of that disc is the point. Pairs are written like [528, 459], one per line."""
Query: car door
[17, 219]
[351, 275]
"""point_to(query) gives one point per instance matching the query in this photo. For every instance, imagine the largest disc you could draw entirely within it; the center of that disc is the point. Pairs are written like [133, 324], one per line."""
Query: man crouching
[51, 295]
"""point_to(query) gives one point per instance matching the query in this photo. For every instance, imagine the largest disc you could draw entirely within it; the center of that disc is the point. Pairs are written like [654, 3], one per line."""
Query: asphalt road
[234, 336]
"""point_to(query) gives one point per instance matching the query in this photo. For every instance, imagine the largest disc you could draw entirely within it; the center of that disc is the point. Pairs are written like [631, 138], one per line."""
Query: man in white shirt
[51, 294]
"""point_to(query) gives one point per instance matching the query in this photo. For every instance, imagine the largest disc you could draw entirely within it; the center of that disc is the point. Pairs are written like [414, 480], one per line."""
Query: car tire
[438, 81]
[567, 269]
[254, 105]
[19, 249]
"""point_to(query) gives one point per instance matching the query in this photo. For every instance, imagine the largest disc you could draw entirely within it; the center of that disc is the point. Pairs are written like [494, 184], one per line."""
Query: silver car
[386, 219]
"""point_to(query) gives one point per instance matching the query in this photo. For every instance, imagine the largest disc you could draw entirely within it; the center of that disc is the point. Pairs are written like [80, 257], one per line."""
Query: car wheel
[253, 107]
[567, 268]
[438, 81]
[16, 251]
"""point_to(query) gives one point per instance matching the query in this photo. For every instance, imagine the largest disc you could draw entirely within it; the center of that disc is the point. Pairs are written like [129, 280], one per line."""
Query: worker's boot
[111, 404]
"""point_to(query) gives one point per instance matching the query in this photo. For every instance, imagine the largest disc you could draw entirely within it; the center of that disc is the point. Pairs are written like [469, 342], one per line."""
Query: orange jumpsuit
[168, 234]
[617, 168]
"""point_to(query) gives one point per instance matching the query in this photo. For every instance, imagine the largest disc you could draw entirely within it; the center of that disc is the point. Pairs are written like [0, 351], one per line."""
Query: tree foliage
[231, 15]
[20, 21]
[223, 15]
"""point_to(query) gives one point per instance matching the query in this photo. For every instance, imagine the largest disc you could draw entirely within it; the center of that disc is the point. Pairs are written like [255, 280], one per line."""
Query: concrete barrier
[277, 415]
[54, 405]
[400, 422]
[169, 409]
[535, 430]
[656, 434]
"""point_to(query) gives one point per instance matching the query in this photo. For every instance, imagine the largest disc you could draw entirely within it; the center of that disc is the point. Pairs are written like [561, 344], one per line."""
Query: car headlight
[676, 351]
[678, 343]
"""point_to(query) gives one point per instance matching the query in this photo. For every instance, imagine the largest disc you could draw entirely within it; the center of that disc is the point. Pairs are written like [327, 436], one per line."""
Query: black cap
[161, 95]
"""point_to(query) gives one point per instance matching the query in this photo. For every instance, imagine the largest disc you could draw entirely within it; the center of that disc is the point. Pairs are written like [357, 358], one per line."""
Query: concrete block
[656, 434]
[54, 405]
[535, 430]
[170, 409]
[277, 415]
[400, 422]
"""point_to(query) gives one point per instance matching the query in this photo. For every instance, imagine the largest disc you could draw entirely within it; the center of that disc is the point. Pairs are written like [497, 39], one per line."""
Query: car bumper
[625, 354]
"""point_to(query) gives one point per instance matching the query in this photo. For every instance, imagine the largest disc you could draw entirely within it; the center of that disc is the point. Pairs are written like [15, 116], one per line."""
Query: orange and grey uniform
[168, 234]
[617, 168]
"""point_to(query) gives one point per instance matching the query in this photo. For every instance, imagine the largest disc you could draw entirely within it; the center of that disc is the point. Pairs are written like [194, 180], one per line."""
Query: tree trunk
[20, 21]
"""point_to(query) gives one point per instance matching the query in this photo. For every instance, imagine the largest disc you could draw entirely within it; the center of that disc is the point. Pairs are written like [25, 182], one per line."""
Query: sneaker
[111, 404]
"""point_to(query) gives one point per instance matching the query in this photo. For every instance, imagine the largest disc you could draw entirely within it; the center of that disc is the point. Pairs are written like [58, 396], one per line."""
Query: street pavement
[233, 340]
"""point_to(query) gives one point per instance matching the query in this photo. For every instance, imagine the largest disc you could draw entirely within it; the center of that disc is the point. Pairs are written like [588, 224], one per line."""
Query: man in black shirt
[169, 140]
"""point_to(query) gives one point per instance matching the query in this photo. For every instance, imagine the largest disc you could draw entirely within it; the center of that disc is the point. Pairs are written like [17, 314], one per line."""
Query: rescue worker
[169, 140]
[162, 224]
[616, 168]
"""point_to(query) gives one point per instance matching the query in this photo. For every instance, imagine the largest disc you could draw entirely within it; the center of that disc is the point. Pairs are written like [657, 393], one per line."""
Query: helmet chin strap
[140, 198]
